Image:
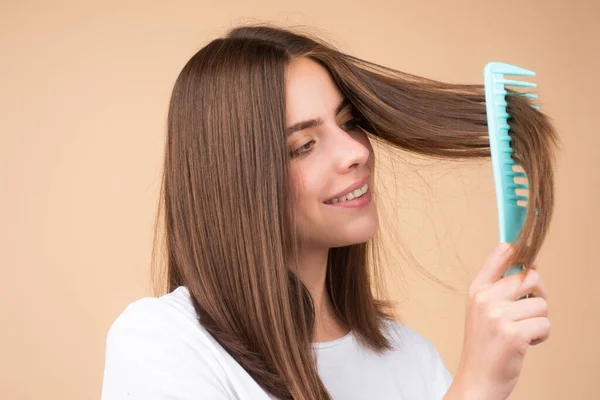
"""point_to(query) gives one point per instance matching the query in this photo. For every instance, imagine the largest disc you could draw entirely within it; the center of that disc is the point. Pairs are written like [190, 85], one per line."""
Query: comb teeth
[510, 82]
[507, 69]
[511, 213]
[518, 174]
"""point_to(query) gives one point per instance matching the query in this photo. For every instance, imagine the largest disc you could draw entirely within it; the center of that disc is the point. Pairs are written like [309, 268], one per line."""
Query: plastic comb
[511, 215]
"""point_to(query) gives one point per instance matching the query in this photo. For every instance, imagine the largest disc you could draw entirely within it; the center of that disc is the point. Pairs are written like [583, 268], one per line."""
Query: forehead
[309, 91]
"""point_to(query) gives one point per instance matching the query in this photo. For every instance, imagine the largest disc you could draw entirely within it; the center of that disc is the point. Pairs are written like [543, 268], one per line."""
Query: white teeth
[350, 196]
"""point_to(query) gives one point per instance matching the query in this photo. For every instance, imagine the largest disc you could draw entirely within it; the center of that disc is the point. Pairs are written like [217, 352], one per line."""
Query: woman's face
[329, 160]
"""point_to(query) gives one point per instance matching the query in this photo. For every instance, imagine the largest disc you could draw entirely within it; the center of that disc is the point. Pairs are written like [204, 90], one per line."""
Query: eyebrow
[311, 123]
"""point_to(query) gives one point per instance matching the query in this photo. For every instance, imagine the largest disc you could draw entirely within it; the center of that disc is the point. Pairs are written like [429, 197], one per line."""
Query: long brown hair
[226, 201]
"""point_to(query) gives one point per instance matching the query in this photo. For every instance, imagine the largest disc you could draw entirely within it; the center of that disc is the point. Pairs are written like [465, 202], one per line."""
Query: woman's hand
[499, 329]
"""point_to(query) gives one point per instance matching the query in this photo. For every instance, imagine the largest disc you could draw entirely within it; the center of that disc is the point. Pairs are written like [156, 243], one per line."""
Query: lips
[356, 185]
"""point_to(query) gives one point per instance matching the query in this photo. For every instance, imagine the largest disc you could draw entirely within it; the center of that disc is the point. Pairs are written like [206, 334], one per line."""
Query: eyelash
[354, 122]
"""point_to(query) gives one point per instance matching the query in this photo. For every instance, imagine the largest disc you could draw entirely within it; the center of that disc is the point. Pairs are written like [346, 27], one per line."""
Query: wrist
[462, 389]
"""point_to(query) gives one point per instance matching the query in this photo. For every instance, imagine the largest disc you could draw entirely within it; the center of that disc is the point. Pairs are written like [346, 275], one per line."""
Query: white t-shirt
[157, 350]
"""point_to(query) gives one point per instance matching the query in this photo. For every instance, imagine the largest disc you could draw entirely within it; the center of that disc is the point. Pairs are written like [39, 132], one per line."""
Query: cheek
[298, 185]
[304, 186]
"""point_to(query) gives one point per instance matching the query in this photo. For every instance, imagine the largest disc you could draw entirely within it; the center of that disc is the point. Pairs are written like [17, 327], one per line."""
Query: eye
[354, 123]
[305, 148]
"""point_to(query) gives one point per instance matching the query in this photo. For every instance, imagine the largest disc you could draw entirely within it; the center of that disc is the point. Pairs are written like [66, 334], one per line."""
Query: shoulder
[154, 315]
[156, 348]
[404, 337]
[162, 321]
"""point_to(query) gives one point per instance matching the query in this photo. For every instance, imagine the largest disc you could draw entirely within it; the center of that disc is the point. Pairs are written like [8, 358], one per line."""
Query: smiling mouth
[355, 194]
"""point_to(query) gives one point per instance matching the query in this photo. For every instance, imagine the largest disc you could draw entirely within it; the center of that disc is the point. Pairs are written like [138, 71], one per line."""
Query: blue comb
[511, 215]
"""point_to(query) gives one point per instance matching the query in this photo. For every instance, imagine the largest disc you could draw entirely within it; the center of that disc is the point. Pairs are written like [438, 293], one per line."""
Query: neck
[312, 271]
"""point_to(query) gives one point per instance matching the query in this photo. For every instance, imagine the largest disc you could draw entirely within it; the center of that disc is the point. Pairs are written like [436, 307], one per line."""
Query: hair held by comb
[226, 207]
[534, 143]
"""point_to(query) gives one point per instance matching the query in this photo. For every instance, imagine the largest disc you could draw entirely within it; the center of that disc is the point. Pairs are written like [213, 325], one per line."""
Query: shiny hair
[227, 205]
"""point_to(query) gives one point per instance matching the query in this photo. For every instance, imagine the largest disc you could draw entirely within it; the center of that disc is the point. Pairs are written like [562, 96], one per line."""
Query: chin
[356, 233]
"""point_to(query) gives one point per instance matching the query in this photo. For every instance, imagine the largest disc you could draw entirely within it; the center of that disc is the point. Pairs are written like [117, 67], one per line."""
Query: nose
[351, 150]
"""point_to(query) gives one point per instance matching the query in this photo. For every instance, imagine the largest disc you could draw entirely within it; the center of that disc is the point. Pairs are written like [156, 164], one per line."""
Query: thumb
[494, 266]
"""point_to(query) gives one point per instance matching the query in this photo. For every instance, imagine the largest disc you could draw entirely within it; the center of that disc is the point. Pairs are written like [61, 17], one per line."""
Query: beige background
[84, 91]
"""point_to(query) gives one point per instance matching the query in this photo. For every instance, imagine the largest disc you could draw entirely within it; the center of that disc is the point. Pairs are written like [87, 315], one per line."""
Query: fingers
[535, 330]
[513, 287]
[493, 267]
[534, 264]
[527, 308]
[532, 284]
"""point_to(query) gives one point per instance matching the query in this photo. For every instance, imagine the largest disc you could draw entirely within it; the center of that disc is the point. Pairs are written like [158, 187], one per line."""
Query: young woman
[270, 216]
